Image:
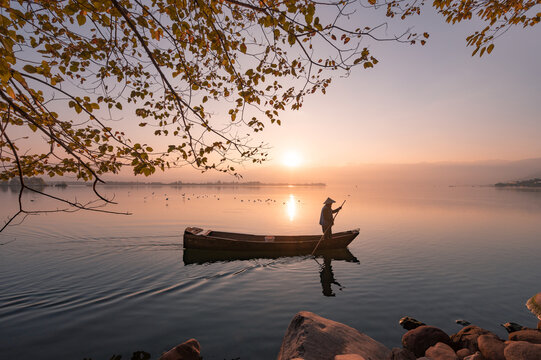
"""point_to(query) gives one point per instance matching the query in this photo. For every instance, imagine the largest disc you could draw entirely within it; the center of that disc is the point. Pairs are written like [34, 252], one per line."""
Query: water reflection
[326, 274]
[291, 207]
[327, 278]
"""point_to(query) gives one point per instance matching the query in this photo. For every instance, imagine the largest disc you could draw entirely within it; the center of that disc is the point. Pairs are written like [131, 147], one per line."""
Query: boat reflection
[326, 274]
[197, 256]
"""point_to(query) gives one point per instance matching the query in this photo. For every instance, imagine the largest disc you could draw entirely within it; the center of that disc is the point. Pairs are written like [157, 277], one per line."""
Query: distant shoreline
[233, 184]
[176, 184]
[531, 183]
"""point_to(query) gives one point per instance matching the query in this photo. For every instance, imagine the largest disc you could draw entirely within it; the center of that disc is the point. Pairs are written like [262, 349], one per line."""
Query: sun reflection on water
[291, 207]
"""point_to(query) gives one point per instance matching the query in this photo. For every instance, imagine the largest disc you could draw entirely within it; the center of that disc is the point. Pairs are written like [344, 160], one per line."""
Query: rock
[522, 350]
[467, 338]
[410, 323]
[441, 351]
[189, 350]
[312, 337]
[423, 337]
[530, 335]
[512, 327]
[349, 357]
[400, 354]
[463, 322]
[539, 325]
[462, 353]
[491, 347]
[534, 305]
[476, 356]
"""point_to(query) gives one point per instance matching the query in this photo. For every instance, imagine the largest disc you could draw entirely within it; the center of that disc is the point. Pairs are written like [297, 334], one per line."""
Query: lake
[90, 285]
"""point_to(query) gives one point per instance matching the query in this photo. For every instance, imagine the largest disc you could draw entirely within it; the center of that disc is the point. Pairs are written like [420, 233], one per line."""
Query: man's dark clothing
[326, 220]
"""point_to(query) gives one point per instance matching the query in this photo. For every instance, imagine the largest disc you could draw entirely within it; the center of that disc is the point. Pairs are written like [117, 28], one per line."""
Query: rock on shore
[312, 337]
[421, 338]
[188, 350]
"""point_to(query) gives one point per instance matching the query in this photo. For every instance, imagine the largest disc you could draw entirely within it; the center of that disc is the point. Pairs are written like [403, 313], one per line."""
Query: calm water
[92, 285]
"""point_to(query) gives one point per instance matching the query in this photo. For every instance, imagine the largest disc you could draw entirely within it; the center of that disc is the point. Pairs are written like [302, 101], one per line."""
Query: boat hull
[195, 238]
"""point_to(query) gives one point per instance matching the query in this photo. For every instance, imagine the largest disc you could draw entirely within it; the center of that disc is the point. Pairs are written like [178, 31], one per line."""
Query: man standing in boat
[326, 219]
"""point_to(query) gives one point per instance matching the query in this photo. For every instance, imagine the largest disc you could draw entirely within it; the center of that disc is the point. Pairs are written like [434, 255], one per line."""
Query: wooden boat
[197, 238]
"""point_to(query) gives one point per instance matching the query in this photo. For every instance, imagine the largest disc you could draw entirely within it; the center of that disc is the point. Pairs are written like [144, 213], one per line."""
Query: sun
[291, 159]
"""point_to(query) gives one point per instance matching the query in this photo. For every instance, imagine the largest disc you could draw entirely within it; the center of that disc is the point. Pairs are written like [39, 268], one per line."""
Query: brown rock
[409, 323]
[467, 338]
[462, 353]
[189, 350]
[476, 356]
[400, 354]
[441, 351]
[522, 350]
[423, 337]
[531, 335]
[512, 327]
[491, 347]
[349, 357]
[312, 337]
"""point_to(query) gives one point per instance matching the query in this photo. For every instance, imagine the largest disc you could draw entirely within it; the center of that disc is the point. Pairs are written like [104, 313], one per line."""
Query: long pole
[327, 229]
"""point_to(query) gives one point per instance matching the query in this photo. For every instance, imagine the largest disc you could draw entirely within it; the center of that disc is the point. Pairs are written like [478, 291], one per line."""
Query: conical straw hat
[534, 305]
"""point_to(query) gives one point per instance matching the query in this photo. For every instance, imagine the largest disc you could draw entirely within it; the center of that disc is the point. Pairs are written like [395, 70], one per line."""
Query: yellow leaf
[291, 39]
[17, 76]
[482, 52]
[29, 69]
[81, 19]
[10, 92]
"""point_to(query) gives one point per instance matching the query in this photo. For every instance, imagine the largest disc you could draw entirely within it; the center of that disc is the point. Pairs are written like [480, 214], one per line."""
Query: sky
[419, 104]
[431, 103]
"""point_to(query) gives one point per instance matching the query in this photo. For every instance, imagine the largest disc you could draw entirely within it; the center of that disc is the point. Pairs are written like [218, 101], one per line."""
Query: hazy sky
[431, 103]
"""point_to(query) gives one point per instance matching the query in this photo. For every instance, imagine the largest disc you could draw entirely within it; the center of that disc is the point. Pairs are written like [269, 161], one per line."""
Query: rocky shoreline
[312, 337]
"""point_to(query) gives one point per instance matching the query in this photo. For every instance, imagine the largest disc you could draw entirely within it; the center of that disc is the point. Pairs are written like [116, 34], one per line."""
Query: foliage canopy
[166, 61]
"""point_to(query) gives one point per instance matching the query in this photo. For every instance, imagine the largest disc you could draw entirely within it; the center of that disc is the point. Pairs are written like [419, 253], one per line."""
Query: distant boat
[197, 238]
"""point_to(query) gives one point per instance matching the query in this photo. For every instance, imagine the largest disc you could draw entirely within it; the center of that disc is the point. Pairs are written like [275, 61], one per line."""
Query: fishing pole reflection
[326, 274]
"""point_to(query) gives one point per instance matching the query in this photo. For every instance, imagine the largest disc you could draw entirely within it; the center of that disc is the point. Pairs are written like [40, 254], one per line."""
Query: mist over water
[75, 285]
